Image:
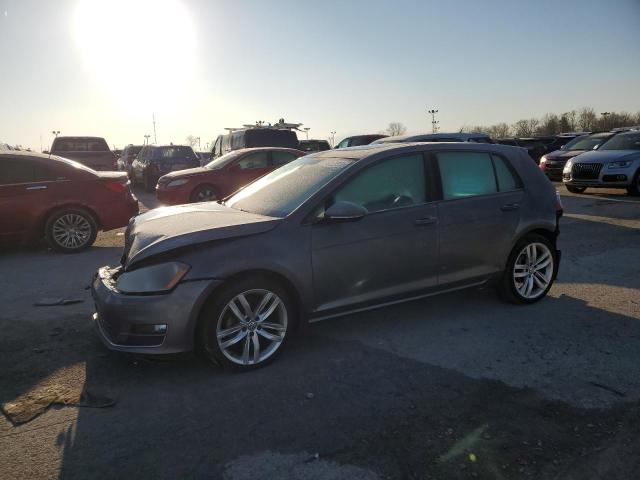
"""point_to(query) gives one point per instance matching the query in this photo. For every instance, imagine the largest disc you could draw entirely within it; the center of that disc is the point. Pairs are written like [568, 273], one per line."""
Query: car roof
[429, 136]
[84, 137]
[24, 153]
[364, 151]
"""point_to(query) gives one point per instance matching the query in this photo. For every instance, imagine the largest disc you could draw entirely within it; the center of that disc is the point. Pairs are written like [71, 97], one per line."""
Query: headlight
[567, 166]
[620, 164]
[153, 279]
[543, 159]
[177, 183]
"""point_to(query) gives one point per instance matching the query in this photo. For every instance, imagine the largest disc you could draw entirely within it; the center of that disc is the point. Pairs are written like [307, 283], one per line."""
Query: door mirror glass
[343, 211]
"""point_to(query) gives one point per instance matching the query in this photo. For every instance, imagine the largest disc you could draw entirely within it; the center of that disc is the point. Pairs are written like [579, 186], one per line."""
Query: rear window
[79, 145]
[174, 153]
[270, 138]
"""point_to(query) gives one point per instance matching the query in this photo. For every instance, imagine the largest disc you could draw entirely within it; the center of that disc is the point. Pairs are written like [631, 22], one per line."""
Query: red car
[60, 199]
[222, 176]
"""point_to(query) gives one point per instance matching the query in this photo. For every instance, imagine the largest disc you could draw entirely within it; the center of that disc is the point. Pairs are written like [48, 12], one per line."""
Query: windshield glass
[623, 141]
[586, 142]
[282, 191]
[221, 161]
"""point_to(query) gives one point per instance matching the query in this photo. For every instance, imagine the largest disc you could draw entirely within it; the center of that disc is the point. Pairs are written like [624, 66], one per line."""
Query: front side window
[254, 160]
[392, 183]
[466, 174]
[344, 143]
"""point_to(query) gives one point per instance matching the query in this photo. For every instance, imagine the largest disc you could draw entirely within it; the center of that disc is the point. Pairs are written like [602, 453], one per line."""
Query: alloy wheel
[71, 231]
[533, 270]
[205, 195]
[252, 327]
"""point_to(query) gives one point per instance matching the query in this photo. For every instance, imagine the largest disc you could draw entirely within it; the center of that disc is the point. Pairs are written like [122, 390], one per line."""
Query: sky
[105, 68]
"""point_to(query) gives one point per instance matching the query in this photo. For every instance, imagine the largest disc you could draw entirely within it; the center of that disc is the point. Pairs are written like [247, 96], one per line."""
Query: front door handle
[426, 221]
[507, 207]
[37, 187]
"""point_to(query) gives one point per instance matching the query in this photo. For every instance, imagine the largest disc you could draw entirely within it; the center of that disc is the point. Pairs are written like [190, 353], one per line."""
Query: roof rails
[280, 125]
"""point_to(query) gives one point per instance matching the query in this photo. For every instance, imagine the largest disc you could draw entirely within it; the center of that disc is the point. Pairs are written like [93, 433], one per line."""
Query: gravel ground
[457, 386]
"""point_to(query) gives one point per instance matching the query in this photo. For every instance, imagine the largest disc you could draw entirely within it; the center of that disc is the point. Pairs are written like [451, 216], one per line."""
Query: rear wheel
[71, 230]
[576, 189]
[247, 323]
[634, 188]
[530, 270]
[204, 193]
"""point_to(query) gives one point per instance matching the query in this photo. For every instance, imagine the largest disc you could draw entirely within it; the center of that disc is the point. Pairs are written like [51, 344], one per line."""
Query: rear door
[25, 192]
[389, 253]
[477, 219]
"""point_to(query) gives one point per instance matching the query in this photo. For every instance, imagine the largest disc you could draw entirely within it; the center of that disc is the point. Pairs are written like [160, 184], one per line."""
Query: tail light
[117, 187]
[559, 209]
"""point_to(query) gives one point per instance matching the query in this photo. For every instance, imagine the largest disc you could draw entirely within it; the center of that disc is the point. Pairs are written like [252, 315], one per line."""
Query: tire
[575, 189]
[634, 188]
[513, 285]
[71, 230]
[226, 340]
[204, 193]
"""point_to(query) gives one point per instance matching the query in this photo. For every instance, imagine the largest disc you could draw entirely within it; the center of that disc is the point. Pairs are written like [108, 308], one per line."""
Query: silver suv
[616, 164]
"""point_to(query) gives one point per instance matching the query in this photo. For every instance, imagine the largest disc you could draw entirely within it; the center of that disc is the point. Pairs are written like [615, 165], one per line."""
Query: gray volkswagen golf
[327, 234]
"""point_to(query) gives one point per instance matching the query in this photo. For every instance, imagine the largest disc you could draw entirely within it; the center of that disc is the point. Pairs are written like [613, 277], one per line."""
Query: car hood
[604, 156]
[563, 154]
[169, 228]
[185, 173]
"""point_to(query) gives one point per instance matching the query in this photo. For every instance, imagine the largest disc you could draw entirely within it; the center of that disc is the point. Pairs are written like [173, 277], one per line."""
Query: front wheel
[204, 193]
[530, 270]
[71, 230]
[247, 323]
[576, 189]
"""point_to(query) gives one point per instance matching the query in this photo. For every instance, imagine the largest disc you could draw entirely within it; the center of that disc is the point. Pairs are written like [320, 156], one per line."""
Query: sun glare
[141, 51]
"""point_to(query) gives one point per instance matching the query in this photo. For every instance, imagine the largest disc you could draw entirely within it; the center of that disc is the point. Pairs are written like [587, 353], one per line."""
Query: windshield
[623, 141]
[282, 191]
[586, 142]
[222, 161]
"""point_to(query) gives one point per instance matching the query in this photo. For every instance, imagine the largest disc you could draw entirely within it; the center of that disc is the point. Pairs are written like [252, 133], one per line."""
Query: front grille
[587, 171]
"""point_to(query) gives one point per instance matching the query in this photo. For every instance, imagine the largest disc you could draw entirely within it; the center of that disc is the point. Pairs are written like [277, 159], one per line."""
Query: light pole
[199, 149]
[605, 115]
[56, 133]
[146, 139]
[434, 122]
[306, 131]
[155, 139]
[333, 138]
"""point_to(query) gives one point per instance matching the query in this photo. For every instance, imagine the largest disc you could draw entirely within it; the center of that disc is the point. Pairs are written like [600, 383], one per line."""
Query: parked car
[310, 146]
[90, 151]
[129, 154]
[553, 163]
[324, 235]
[438, 137]
[359, 140]
[534, 146]
[555, 142]
[61, 200]
[154, 161]
[222, 176]
[616, 164]
[254, 137]
[205, 157]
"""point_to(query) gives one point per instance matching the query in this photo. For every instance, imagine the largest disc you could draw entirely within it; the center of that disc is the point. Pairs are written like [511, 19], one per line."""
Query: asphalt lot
[457, 386]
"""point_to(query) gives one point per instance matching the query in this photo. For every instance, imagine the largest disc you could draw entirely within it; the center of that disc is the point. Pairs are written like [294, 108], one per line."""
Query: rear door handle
[37, 187]
[426, 221]
[510, 206]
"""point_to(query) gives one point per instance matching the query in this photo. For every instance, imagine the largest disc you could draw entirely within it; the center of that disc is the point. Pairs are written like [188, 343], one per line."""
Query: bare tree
[192, 141]
[587, 119]
[549, 125]
[500, 130]
[522, 128]
[396, 128]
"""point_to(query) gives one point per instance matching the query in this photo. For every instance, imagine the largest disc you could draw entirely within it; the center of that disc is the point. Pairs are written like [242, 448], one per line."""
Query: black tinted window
[21, 171]
[254, 160]
[174, 153]
[281, 158]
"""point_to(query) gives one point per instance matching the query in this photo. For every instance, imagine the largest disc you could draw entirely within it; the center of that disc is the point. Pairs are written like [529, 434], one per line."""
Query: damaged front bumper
[147, 324]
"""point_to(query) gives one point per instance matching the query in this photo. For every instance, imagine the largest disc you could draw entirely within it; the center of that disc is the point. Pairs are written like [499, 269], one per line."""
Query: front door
[247, 169]
[390, 252]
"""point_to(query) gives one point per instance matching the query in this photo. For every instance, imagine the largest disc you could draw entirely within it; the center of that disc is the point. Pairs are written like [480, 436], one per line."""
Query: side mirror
[345, 212]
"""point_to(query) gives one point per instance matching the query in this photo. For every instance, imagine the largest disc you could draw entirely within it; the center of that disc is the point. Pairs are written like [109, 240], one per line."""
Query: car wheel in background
[530, 270]
[246, 324]
[71, 230]
[575, 189]
[204, 193]
[634, 188]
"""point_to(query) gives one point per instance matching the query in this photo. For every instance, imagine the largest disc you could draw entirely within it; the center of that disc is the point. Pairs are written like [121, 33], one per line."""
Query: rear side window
[506, 180]
[281, 158]
[393, 183]
[254, 160]
[22, 171]
[466, 174]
